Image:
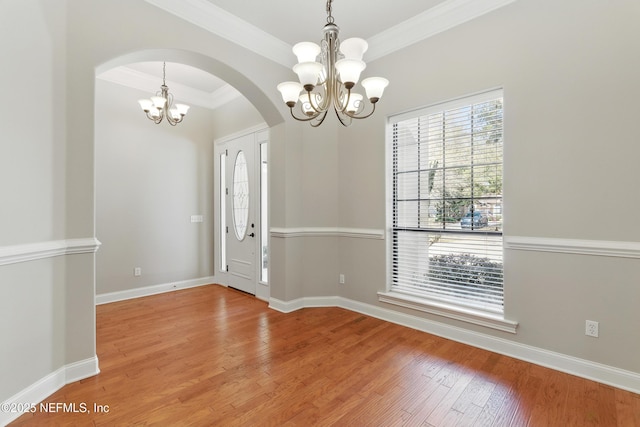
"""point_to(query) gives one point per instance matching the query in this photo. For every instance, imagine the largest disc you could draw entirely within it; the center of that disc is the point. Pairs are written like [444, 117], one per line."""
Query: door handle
[252, 235]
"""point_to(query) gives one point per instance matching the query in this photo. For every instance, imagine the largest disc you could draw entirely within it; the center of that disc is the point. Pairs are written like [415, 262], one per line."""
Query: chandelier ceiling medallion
[161, 105]
[329, 83]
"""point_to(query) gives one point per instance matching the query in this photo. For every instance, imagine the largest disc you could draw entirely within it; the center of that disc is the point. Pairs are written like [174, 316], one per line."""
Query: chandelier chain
[329, 16]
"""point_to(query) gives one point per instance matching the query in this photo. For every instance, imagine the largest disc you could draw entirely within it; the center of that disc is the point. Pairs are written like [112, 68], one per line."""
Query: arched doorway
[151, 198]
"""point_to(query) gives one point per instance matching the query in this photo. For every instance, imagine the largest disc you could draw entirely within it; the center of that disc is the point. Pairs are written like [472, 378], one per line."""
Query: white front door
[242, 198]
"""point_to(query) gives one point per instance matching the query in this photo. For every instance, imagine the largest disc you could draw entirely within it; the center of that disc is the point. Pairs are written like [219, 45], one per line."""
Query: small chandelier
[162, 104]
[330, 82]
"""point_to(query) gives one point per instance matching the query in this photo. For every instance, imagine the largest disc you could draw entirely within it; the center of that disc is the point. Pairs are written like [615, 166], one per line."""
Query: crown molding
[218, 21]
[145, 82]
[422, 26]
[438, 19]
[225, 94]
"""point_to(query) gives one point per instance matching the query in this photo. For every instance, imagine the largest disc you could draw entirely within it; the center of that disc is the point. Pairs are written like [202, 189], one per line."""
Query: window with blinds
[447, 202]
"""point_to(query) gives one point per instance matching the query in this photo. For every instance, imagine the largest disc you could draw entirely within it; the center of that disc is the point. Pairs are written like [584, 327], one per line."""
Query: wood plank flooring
[212, 356]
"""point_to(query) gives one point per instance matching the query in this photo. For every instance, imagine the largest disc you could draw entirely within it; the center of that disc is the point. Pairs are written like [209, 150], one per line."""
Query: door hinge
[227, 268]
[226, 191]
[227, 229]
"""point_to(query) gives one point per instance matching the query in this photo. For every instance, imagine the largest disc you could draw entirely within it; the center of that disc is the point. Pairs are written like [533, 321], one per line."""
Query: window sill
[477, 317]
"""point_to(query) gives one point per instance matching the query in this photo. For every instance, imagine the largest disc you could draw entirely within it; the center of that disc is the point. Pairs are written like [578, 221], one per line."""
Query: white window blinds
[447, 202]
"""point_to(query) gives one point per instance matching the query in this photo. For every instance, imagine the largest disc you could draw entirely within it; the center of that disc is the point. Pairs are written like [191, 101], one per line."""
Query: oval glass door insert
[240, 196]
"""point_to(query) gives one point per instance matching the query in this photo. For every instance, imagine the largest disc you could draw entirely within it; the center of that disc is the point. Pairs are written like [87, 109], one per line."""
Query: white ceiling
[302, 20]
[270, 28]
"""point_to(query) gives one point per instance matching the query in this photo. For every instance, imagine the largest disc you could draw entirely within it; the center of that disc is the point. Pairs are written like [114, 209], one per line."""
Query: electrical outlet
[341, 279]
[137, 271]
[591, 328]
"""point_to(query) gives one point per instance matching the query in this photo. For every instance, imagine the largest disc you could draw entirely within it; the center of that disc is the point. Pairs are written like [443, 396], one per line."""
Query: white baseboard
[152, 290]
[306, 302]
[605, 374]
[46, 386]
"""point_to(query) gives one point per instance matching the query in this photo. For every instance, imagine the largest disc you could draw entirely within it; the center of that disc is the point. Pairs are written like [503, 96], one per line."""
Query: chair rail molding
[619, 249]
[361, 233]
[34, 251]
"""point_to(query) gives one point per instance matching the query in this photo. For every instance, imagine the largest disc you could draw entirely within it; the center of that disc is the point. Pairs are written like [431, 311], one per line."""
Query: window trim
[423, 303]
[451, 311]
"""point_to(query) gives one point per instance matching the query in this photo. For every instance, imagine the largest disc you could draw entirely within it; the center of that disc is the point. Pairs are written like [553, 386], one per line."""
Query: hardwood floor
[213, 356]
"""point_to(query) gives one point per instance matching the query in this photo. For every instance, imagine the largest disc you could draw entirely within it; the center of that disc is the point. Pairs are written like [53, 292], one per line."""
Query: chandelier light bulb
[158, 102]
[374, 86]
[349, 70]
[307, 108]
[354, 48]
[182, 109]
[355, 101]
[306, 51]
[145, 104]
[290, 92]
[308, 73]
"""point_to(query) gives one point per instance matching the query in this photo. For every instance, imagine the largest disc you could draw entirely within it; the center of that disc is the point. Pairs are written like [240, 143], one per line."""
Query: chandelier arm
[169, 98]
[319, 122]
[320, 107]
[339, 104]
[305, 118]
[167, 106]
[354, 116]
[173, 121]
[340, 116]
[325, 99]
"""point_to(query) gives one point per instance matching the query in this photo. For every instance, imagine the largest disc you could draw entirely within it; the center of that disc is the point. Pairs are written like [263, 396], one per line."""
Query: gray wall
[150, 179]
[569, 73]
[569, 76]
[32, 189]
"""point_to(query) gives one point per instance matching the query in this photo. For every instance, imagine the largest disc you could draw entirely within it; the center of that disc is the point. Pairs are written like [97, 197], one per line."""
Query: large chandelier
[330, 82]
[161, 105]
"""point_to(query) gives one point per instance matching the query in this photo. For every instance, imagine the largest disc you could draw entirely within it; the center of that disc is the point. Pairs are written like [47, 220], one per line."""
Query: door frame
[261, 136]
